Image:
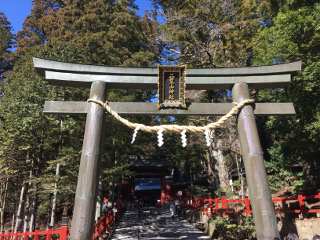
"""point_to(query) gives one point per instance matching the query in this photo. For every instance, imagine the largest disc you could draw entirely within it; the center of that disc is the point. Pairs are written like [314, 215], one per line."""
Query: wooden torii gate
[101, 78]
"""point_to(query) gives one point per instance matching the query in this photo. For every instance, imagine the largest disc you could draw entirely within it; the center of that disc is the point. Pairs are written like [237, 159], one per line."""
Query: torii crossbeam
[101, 78]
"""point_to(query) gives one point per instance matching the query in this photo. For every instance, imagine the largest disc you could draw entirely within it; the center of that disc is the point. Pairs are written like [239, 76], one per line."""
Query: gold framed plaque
[171, 86]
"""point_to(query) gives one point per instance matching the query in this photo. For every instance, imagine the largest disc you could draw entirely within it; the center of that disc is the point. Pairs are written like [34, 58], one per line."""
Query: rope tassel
[183, 138]
[135, 134]
[160, 137]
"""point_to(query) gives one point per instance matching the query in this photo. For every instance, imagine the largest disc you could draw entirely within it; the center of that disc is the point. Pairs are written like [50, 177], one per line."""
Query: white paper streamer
[160, 137]
[207, 133]
[183, 138]
[135, 134]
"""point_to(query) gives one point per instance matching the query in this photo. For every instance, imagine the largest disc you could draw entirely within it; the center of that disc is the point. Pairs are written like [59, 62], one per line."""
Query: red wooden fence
[212, 206]
[63, 232]
[105, 224]
[102, 227]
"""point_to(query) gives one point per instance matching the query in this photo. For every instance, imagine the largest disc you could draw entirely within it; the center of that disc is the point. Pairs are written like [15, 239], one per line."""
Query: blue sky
[17, 10]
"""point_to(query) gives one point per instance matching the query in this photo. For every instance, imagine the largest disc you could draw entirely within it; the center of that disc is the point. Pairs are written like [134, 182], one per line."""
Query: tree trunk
[54, 200]
[26, 212]
[13, 219]
[50, 200]
[2, 219]
[209, 169]
[3, 197]
[33, 209]
[20, 210]
[218, 161]
[27, 208]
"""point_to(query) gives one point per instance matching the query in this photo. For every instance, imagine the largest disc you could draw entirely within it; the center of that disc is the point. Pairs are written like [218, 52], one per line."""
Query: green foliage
[199, 191]
[6, 42]
[229, 192]
[306, 185]
[237, 186]
[294, 35]
[278, 170]
[234, 227]
[106, 32]
[207, 33]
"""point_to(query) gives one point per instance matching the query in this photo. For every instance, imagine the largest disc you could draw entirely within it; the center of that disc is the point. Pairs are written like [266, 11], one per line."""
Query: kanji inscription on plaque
[171, 86]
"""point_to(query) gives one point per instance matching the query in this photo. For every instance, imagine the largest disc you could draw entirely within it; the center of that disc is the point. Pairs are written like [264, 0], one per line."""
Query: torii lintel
[81, 75]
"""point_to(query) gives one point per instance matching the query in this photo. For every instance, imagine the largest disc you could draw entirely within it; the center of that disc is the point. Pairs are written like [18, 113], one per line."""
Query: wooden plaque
[171, 86]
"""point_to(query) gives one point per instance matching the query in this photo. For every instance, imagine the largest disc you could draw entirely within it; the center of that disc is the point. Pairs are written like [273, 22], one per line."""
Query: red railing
[102, 227]
[212, 206]
[105, 224]
[63, 233]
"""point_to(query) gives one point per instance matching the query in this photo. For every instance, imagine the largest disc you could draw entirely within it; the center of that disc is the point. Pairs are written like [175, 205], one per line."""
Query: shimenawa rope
[174, 128]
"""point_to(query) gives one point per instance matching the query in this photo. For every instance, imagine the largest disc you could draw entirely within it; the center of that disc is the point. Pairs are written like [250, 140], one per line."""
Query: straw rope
[174, 128]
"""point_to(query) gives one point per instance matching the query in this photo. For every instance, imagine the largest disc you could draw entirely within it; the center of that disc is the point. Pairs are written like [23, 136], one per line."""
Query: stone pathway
[154, 224]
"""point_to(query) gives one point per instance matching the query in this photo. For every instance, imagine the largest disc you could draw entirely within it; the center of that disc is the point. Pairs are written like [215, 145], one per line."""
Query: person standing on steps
[172, 210]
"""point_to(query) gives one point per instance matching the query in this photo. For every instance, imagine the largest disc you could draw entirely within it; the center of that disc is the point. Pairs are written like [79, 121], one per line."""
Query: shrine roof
[148, 161]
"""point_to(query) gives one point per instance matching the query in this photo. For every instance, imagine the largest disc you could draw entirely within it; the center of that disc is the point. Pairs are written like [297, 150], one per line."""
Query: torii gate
[101, 78]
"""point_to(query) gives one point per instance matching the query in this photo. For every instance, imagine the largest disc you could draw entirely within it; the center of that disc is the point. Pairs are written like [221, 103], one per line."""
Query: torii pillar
[259, 190]
[88, 177]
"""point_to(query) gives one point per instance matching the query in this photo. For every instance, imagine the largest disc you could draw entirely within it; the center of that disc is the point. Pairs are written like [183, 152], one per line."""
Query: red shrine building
[153, 182]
